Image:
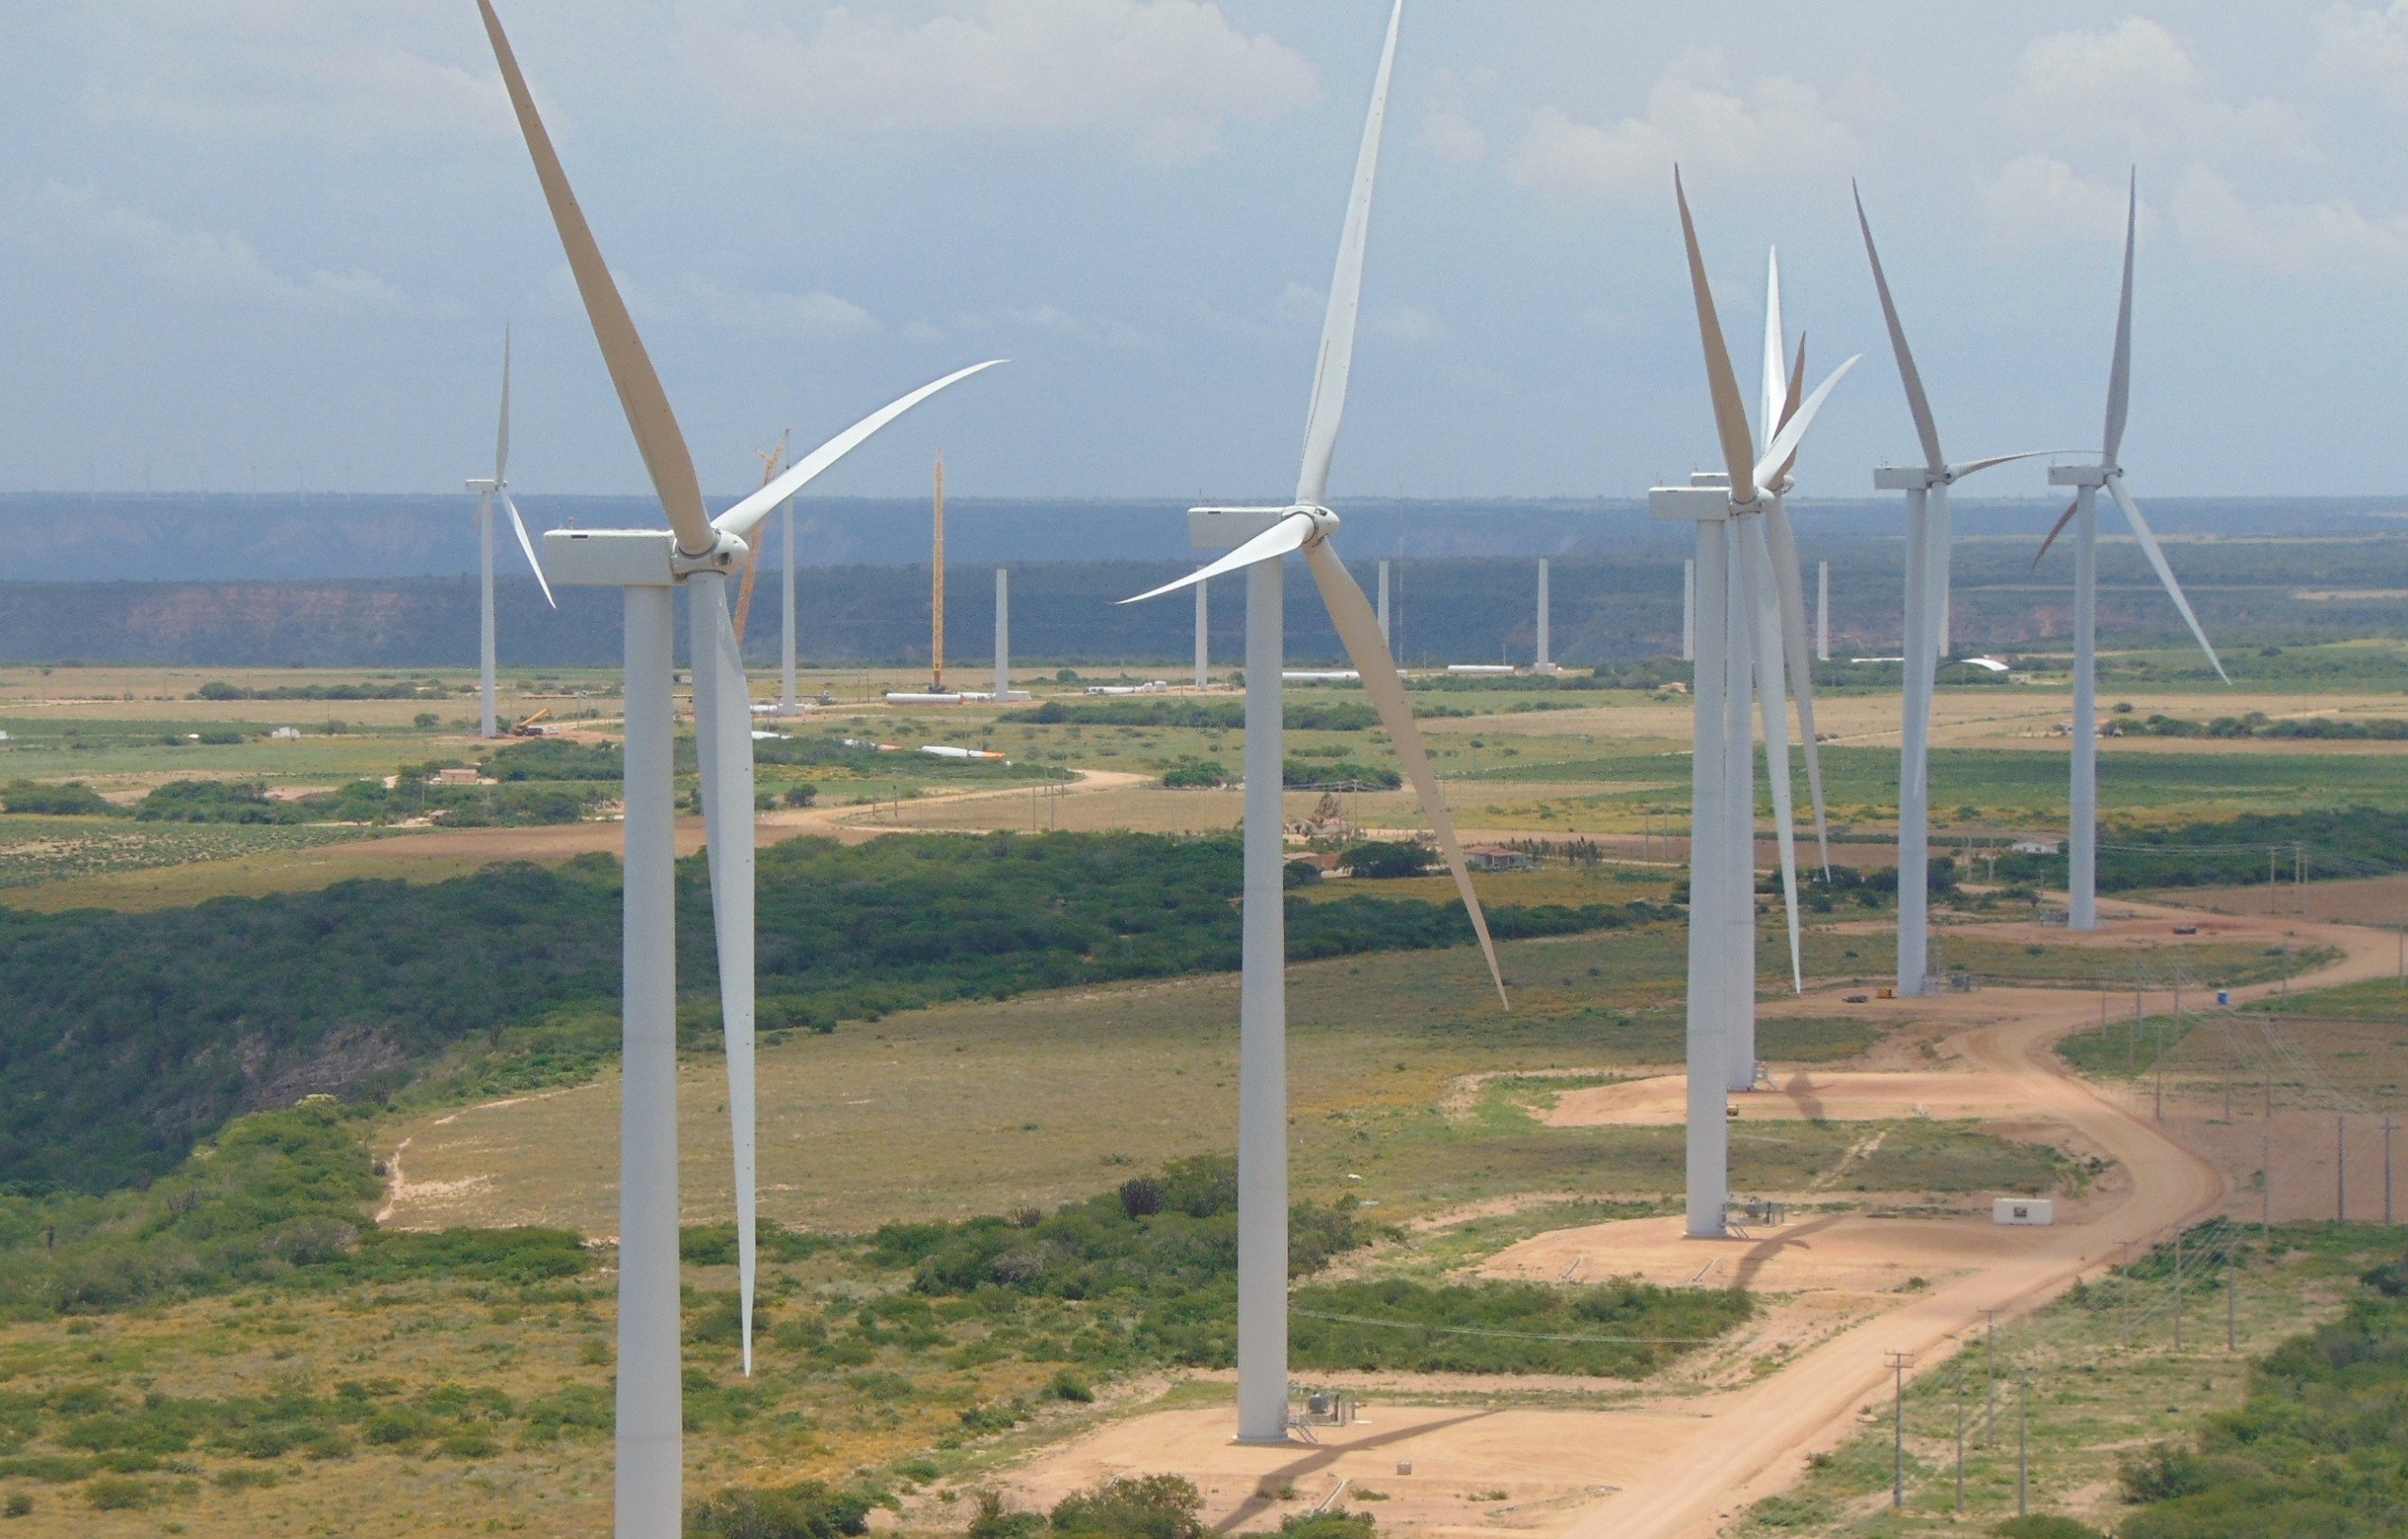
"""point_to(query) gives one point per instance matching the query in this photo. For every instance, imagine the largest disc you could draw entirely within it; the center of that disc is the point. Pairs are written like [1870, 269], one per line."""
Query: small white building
[2023, 1209]
[2031, 844]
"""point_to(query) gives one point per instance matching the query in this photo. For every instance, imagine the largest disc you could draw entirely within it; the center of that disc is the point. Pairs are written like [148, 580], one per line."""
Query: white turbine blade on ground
[1328, 408]
[1776, 402]
[663, 447]
[502, 436]
[519, 526]
[1730, 411]
[741, 519]
[1359, 629]
[1793, 433]
[2149, 547]
[1763, 632]
[724, 746]
[2119, 372]
[1917, 402]
[1790, 589]
[1288, 534]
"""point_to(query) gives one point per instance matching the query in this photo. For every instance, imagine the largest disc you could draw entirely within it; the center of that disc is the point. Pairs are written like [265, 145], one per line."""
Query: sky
[274, 244]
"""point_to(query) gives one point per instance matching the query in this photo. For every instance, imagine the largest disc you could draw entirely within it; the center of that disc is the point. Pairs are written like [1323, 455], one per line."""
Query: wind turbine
[701, 554]
[498, 489]
[1745, 642]
[2081, 847]
[1927, 578]
[1267, 535]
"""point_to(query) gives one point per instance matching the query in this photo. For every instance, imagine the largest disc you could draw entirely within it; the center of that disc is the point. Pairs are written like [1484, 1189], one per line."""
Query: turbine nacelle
[482, 485]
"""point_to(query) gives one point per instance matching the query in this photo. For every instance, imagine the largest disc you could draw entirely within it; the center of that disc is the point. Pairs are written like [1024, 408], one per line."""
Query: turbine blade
[1791, 591]
[1971, 468]
[2149, 547]
[1764, 631]
[501, 438]
[2058, 528]
[1288, 534]
[519, 525]
[1793, 433]
[1917, 402]
[1795, 392]
[1345, 292]
[1777, 398]
[1359, 629]
[2119, 372]
[741, 519]
[723, 745]
[663, 447]
[1730, 412]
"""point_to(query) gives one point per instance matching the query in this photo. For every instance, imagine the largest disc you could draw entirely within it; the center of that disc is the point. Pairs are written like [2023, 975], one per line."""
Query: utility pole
[2340, 1167]
[1960, 1442]
[2232, 1302]
[2177, 1290]
[1898, 1361]
[1990, 1371]
[2266, 1159]
[2386, 1169]
[2023, 1447]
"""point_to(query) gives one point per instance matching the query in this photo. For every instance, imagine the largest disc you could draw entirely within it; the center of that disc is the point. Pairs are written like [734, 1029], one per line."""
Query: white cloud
[1053, 320]
[2366, 48]
[2137, 91]
[1410, 323]
[75, 225]
[261, 69]
[1452, 137]
[2039, 200]
[817, 316]
[1299, 306]
[1160, 75]
[1694, 116]
[2319, 241]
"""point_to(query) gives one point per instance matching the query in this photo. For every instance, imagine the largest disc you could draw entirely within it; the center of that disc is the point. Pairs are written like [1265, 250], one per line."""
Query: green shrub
[116, 1494]
[1133, 1507]
[2045, 1526]
[808, 1509]
[1335, 1524]
[72, 800]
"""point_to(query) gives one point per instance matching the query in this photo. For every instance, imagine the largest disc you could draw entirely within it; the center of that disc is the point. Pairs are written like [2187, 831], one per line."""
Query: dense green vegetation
[276, 1197]
[397, 689]
[1213, 715]
[72, 800]
[2319, 1447]
[2257, 724]
[1162, 1252]
[2346, 842]
[129, 1036]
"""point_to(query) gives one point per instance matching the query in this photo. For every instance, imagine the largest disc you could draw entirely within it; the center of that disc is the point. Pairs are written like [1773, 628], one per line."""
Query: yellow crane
[936, 602]
[771, 461]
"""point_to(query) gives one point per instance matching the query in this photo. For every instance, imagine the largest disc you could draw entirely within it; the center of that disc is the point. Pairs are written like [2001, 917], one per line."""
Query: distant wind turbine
[496, 490]
[701, 554]
[1305, 525]
[1745, 641]
[1927, 580]
[2082, 847]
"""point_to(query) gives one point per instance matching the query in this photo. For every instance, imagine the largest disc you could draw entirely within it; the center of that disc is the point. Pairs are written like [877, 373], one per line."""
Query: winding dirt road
[1753, 1441]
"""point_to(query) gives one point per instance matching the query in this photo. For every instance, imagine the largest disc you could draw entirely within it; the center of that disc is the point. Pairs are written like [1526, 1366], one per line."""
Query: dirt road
[1756, 1440]
[1674, 1462]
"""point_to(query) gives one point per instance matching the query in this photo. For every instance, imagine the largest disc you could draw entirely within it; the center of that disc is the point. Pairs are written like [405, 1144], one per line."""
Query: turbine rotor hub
[725, 555]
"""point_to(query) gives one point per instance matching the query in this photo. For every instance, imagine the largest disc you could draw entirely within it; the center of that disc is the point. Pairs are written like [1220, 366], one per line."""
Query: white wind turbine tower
[1927, 578]
[701, 554]
[496, 490]
[1267, 535]
[2081, 847]
[1746, 640]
